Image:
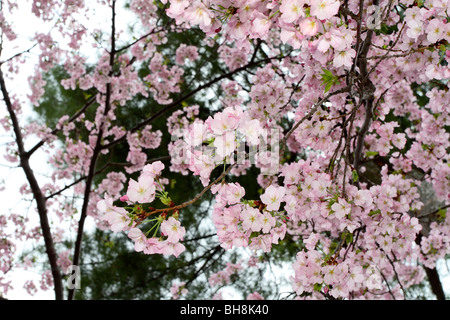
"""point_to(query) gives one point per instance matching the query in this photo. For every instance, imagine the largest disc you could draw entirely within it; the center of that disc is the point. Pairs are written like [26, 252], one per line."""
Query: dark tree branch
[433, 276]
[215, 250]
[96, 152]
[366, 87]
[37, 193]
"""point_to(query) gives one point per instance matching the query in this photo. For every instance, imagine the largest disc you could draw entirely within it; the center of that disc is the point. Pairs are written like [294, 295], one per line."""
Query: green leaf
[327, 73]
[328, 79]
[349, 238]
[442, 214]
[166, 200]
[317, 286]
[355, 175]
[109, 244]
[87, 95]
[371, 153]
[374, 212]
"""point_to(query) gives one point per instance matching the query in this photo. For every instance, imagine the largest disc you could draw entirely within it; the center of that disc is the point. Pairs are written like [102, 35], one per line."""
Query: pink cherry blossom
[173, 230]
[139, 238]
[225, 144]
[341, 208]
[272, 197]
[252, 219]
[291, 10]
[153, 170]
[353, 169]
[261, 25]
[171, 248]
[344, 58]
[177, 7]
[309, 26]
[435, 30]
[116, 217]
[141, 191]
[199, 14]
[233, 193]
[268, 222]
[324, 9]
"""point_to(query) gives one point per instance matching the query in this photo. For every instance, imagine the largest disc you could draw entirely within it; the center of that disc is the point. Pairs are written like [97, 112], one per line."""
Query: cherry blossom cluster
[140, 193]
[220, 140]
[312, 199]
[233, 57]
[185, 53]
[254, 224]
[243, 19]
[436, 245]
[177, 123]
[320, 269]
[428, 151]
[7, 28]
[162, 81]
[268, 94]
[146, 12]
[138, 142]
[301, 22]
[232, 94]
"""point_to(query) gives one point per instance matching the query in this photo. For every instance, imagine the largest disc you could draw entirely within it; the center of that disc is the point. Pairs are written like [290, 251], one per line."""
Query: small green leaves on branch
[329, 79]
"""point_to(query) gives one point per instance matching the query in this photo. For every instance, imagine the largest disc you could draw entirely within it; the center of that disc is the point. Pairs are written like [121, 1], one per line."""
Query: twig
[197, 197]
[308, 115]
[88, 103]
[19, 54]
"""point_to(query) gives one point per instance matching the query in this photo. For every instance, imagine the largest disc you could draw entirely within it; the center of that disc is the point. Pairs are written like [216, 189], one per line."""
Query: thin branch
[395, 271]
[19, 54]
[88, 103]
[347, 12]
[436, 211]
[308, 115]
[294, 89]
[154, 31]
[197, 197]
[387, 284]
[203, 266]
[386, 55]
